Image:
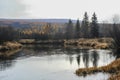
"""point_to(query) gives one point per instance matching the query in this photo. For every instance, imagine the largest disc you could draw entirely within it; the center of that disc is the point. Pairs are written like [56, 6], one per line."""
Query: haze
[58, 8]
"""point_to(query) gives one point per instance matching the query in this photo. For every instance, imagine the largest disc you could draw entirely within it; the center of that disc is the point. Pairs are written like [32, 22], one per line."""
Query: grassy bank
[7, 54]
[46, 42]
[100, 43]
[112, 68]
[10, 46]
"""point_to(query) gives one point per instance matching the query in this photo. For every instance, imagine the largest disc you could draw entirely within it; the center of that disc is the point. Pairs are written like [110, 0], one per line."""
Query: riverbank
[10, 46]
[99, 43]
[8, 54]
[112, 68]
[43, 42]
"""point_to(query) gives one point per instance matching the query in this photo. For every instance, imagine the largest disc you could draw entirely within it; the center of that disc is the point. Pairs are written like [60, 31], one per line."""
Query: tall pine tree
[94, 27]
[77, 29]
[69, 30]
[85, 26]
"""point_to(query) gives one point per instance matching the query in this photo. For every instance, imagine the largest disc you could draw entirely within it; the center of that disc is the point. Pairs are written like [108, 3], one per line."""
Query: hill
[38, 20]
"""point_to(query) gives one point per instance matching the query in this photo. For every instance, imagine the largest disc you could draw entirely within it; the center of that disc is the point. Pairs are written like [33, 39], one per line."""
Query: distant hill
[39, 20]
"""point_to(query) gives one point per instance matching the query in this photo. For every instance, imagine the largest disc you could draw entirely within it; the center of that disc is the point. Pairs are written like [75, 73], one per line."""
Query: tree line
[84, 29]
[81, 29]
[71, 30]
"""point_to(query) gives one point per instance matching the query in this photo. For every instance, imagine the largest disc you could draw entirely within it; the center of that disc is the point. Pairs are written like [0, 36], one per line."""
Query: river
[54, 63]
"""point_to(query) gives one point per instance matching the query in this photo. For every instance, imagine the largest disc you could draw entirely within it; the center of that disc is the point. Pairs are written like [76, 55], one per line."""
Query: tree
[85, 26]
[69, 30]
[116, 31]
[7, 33]
[94, 27]
[77, 29]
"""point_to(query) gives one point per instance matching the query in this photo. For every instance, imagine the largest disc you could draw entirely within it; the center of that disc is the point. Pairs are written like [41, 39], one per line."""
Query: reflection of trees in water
[117, 53]
[5, 64]
[84, 56]
[70, 52]
[87, 57]
[77, 55]
[78, 59]
[8, 61]
[78, 51]
[94, 58]
[38, 48]
[80, 55]
[70, 59]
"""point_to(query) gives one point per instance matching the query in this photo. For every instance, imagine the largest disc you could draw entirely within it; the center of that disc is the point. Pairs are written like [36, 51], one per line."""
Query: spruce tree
[85, 26]
[94, 27]
[77, 29]
[69, 30]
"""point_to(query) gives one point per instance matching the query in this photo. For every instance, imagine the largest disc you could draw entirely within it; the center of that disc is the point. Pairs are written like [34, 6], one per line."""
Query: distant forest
[15, 30]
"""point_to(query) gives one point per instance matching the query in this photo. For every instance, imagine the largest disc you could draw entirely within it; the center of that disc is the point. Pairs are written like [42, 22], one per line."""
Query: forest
[84, 28]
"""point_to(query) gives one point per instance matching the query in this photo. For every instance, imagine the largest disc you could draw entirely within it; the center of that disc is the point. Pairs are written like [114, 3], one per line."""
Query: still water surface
[54, 63]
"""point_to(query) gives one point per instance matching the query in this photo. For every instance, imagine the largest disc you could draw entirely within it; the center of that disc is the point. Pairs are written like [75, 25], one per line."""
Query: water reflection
[95, 58]
[7, 59]
[71, 59]
[42, 60]
[117, 53]
[6, 64]
[84, 58]
[76, 57]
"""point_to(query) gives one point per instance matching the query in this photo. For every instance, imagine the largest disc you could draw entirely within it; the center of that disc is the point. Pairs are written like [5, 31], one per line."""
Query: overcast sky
[58, 8]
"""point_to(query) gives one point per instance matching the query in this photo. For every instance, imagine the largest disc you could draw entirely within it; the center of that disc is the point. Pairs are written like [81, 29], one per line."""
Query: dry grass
[27, 41]
[101, 43]
[115, 76]
[10, 46]
[9, 53]
[112, 68]
[33, 41]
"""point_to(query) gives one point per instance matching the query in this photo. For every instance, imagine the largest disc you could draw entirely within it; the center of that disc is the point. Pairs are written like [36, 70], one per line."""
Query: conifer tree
[85, 26]
[77, 29]
[69, 30]
[94, 27]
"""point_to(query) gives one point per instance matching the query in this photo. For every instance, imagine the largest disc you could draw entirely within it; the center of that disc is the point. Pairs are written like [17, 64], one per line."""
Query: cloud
[58, 8]
[72, 8]
[12, 9]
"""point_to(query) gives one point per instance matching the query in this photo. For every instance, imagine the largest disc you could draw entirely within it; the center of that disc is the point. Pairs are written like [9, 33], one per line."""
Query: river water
[54, 63]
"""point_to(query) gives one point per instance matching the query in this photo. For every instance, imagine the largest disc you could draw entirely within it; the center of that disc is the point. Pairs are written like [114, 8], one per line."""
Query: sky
[73, 9]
